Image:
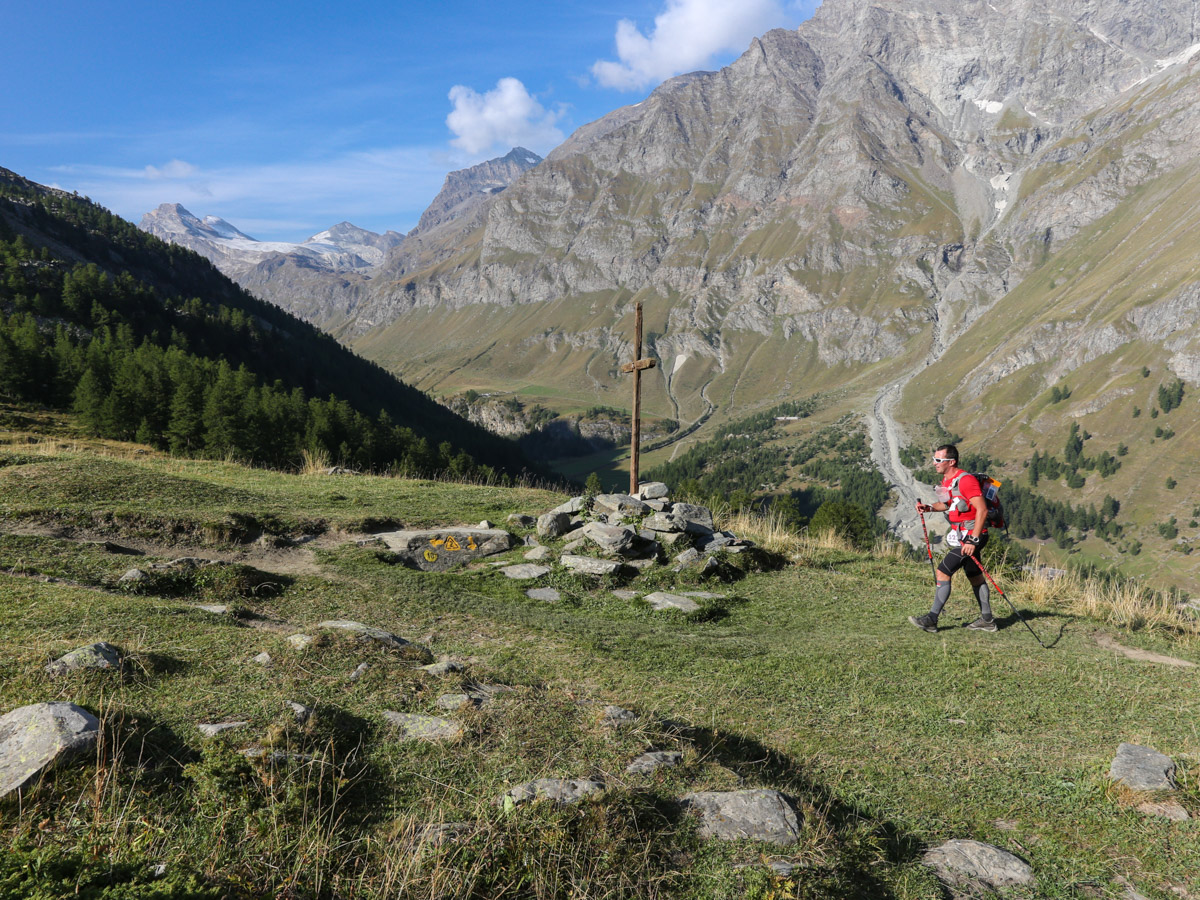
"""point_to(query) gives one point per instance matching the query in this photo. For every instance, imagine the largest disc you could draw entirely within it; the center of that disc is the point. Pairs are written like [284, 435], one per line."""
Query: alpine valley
[922, 217]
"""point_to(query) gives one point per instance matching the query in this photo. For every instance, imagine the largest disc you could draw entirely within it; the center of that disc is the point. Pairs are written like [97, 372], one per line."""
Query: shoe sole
[913, 620]
[987, 628]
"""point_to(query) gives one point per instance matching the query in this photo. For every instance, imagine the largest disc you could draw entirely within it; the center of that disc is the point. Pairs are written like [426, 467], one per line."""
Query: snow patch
[679, 361]
[1000, 182]
[1181, 57]
[1001, 205]
[989, 106]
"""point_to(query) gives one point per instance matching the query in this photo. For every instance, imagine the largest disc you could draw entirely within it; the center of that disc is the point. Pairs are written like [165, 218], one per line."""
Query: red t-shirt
[968, 487]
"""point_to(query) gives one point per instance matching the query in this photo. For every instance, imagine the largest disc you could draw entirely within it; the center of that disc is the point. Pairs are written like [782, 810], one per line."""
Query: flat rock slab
[416, 727]
[626, 595]
[662, 600]
[1142, 769]
[525, 571]
[563, 791]
[37, 737]
[616, 716]
[572, 506]
[1165, 809]
[100, 655]
[653, 490]
[537, 554]
[622, 504]
[957, 861]
[653, 761]
[692, 519]
[757, 815]
[440, 549]
[212, 729]
[589, 565]
[443, 667]
[545, 594]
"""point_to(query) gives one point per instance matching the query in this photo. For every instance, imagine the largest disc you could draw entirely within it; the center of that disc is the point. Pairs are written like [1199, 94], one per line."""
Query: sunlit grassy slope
[806, 678]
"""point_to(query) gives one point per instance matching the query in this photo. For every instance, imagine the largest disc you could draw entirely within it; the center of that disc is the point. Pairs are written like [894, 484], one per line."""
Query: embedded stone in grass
[300, 641]
[40, 736]
[370, 632]
[537, 554]
[359, 671]
[546, 594]
[661, 600]
[957, 861]
[300, 711]
[1142, 769]
[486, 693]
[525, 571]
[263, 659]
[757, 815]
[588, 565]
[615, 716]
[653, 761]
[100, 656]
[217, 609]
[687, 557]
[133, 576]
[455, 701]
[417, 727]
[626, 595]
[443, 667]
[563, 791]
[1164, 809]
[437, 550]
[212, 729]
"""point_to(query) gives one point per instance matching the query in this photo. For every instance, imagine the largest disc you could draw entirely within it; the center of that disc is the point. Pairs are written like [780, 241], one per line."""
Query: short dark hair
[949, 451]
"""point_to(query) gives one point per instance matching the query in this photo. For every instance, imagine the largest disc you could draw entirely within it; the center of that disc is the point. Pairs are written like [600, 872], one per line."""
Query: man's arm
[980, 507]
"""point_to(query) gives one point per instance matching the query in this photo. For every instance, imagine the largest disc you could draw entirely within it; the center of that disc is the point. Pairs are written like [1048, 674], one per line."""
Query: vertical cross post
[636, 368]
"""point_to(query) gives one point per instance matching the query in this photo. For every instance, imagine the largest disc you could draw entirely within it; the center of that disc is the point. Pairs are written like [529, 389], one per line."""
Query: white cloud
[505, 117]
[292, 200]
[686, 36]
[176, 168]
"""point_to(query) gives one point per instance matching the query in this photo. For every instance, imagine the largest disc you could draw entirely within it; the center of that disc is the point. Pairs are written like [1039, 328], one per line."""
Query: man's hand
[924, 507]
[968, 548]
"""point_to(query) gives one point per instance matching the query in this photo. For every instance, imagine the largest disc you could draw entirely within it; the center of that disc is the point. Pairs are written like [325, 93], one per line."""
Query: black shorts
[956, 559]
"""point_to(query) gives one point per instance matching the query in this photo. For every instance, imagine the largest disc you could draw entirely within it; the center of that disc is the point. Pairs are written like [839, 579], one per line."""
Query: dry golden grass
[317, 463]
[769, 531]
[1123, 603]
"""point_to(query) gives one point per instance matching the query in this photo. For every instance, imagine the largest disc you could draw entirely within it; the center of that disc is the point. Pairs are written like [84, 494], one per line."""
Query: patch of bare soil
[1108, 643]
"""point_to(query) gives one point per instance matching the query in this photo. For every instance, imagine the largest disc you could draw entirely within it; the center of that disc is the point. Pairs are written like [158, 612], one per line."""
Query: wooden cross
[636, 368]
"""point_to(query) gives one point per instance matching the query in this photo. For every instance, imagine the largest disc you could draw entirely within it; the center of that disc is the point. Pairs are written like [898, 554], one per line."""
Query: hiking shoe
[982, 624]
[927, 622]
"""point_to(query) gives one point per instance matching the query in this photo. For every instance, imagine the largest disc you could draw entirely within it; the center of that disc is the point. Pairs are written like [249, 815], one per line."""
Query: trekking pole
[992, 581]
[928, 546]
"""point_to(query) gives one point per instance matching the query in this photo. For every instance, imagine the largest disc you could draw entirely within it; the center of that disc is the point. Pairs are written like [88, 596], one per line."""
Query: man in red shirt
[961, 498]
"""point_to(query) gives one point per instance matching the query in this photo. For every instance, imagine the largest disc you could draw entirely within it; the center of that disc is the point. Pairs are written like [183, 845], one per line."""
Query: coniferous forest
[147, 341]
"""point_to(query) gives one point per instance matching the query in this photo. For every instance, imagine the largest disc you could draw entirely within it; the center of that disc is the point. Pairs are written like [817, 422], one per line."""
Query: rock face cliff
[887, 171]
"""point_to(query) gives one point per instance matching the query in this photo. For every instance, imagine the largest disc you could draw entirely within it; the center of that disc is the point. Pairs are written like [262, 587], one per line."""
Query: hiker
[961, 498]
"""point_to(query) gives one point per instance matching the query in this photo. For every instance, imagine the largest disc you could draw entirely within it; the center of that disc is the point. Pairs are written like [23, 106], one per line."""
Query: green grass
[806, 679]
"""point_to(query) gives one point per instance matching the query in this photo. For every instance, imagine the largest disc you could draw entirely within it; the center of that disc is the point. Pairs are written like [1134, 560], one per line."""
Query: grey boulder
[661, 600]
[956, 861]
[416, 727]
[653, 761]
[757, 815]
[610, 539]
[589, 565]
[37, 737]
[620, 504]
[1142, 769]
[553, 524]
[100, 655]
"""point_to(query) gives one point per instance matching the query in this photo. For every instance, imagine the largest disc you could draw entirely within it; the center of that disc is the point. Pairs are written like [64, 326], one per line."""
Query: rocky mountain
[995, 196]
[324, 278]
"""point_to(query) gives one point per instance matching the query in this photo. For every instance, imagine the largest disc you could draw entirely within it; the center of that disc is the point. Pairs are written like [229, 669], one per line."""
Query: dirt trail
[297, 559]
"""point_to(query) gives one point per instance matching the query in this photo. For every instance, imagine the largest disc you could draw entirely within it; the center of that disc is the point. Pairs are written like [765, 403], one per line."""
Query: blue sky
[286, 118]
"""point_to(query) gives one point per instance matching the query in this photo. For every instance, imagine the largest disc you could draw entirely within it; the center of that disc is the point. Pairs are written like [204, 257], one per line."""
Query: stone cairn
[608, 534]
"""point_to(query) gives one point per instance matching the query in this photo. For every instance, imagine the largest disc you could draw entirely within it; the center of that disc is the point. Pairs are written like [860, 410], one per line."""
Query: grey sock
[983, 595]
[940, 597]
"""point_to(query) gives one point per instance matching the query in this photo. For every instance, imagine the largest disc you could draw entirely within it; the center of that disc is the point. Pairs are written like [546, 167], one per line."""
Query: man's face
[942, 463]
